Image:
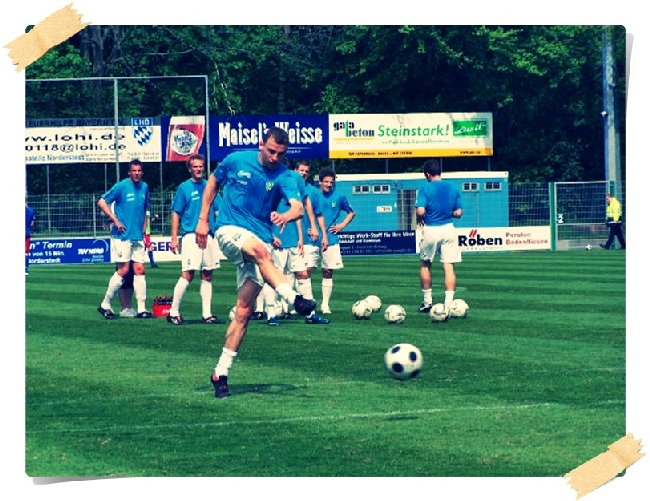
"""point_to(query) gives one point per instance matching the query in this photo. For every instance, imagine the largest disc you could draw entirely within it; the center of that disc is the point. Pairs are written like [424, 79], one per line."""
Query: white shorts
[123, 251]
[331, 258]
[441, 240]
[230, 240]
[312, 256]
[195, 258]
[289, 260]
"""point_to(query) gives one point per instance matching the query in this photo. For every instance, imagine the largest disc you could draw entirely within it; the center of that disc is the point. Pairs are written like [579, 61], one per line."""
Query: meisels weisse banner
[307, 134]
[79, 140]
[410, 135]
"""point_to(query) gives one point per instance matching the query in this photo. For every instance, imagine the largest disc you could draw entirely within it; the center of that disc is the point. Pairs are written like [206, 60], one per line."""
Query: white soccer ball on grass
[394, 314]
[374, 302]
[361, 310]
[403, 361]
[458, 308]
[439, 313]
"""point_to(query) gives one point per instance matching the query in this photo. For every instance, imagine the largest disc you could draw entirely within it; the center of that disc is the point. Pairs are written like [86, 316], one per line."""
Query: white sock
[225, 362]
[303, 285]
[206, 298]
[327, 286]
[427, 297]
[269, 300]
[286, 292]
[140, 288]
[449, 297]
[114, 283]
[179, 291]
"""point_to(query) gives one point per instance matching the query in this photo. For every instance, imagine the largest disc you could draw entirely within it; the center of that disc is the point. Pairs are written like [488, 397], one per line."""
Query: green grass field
[532, 383]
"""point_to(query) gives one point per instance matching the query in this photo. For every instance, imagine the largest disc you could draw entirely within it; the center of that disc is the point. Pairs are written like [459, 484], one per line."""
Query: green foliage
[542, 83]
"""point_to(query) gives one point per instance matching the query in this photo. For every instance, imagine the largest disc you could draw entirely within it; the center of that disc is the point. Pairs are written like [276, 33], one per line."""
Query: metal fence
[575, 211]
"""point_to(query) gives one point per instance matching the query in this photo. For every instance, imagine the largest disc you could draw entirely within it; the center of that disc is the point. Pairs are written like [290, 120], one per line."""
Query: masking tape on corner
[54, 29]
[604, 467]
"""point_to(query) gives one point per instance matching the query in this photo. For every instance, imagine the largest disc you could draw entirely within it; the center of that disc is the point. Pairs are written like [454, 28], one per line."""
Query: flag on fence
[185, 137]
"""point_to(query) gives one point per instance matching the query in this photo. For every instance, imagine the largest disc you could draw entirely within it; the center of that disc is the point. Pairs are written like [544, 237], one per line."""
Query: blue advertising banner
[69, 251]
[308, 134]
[365, 243]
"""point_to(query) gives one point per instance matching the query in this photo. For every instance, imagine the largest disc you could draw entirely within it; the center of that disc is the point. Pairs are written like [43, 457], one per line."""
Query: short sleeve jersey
[331, 206]
[187, 204]
[252, 191]
[439, 199]
[130, 203]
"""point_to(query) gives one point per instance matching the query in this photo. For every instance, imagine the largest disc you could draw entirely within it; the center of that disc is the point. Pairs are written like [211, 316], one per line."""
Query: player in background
[436, 205]
[30, 221]
[131, 201]
[313, 232]
[253, 184]
[332, 204]
[185, 216]
[289, 256]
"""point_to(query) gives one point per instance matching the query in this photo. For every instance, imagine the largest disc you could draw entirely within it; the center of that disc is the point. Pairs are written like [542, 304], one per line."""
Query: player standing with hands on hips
[128, 240]
[437, 204]
[254, 183]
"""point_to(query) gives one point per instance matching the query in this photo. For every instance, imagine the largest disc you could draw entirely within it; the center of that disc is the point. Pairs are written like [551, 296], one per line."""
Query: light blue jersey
[331, 205]
[289, 236]
[130, 202]
[439, 199]
[187, 204]
[252, 191]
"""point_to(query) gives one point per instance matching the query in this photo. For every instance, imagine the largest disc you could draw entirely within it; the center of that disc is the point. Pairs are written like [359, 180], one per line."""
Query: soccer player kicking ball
[254, 183]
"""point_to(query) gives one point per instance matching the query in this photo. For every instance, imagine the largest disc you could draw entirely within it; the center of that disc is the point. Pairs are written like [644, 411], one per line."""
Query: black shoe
[603, 246]
[304, 306]
[107, 314]
[144, 314]
[212, 319]
[315, 319]
[258, 315]
[220, 386]
[425, 308]
[289, 316]
[176, 320]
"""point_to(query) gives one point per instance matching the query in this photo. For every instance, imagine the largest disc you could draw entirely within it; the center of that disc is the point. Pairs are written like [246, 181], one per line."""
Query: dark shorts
[128, 279]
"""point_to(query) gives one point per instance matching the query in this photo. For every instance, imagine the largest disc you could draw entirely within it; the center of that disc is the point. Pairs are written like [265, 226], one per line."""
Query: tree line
[543, 85]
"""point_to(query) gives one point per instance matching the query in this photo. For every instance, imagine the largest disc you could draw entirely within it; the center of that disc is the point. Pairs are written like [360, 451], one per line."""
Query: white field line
[329, 417]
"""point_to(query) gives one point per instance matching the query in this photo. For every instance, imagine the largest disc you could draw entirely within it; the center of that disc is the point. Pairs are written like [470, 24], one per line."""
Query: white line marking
[331, 417]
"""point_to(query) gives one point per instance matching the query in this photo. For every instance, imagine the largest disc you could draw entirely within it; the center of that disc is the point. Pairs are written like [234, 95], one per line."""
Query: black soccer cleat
[304, 306]
[220, 386]
[603, 246]
[425, 308]
[212, 319]
[144, 314]
[108, 314]
[258, 315]
[176, 320]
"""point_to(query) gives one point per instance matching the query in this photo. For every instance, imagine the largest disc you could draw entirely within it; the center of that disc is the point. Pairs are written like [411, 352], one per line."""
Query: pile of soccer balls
[458, 309]
[364, 308]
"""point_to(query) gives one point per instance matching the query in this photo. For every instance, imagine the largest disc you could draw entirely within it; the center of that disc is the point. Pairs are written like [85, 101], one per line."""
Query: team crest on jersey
[269, 185]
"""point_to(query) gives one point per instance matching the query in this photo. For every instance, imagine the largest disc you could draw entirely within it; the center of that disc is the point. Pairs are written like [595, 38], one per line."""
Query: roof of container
[420, 175]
